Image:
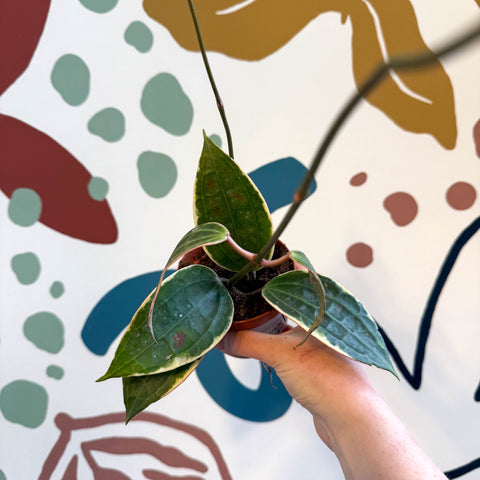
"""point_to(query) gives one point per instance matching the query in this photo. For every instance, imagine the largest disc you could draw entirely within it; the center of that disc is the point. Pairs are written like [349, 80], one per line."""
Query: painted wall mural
[102, 105]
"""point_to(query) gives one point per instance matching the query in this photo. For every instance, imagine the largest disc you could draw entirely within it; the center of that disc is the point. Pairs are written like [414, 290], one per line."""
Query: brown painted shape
[129, 445]
[461, 195]
[21, 25]
[264, 26]
[402, 207]
[359, 255]
[31, 159]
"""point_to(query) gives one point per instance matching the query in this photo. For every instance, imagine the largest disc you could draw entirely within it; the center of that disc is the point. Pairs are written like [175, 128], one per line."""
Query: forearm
[372, 444]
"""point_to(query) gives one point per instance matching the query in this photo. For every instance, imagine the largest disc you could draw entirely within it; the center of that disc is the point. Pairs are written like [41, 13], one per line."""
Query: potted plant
[231, 260]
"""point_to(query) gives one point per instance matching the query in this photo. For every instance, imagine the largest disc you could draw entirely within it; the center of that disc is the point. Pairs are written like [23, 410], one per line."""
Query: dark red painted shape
[31, 159]
[21, 25]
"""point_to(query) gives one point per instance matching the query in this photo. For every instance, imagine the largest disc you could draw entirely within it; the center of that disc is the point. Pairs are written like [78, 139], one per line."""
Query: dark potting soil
[246, 294]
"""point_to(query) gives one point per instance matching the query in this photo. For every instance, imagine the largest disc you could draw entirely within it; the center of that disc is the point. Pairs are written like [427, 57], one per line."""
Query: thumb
[251, 344]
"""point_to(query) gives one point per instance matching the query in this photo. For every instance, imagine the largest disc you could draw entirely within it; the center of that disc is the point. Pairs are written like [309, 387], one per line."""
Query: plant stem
[406, 62]
[220, 106]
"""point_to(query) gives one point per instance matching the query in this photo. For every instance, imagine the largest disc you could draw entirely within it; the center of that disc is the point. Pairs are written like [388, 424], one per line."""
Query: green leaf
[139, 392]
[317, 284]
[224, 194]
[346, 327]
[192, 313]
[206, 234]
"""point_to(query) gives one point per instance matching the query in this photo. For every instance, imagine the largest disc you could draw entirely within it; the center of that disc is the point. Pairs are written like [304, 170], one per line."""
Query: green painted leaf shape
[192, 313]
[317, 284]
[225, 194]
[140, 392]
[346, 327]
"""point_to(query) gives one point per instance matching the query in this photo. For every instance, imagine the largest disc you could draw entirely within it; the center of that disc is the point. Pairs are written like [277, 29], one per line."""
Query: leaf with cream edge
[206, 234]
[225, 194]
[141, 391]
[346, 327]
[192, 313]
[301, 258]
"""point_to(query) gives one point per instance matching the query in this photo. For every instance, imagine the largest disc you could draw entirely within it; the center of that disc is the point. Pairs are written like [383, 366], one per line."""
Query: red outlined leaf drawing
[196, 457]
[31, 159]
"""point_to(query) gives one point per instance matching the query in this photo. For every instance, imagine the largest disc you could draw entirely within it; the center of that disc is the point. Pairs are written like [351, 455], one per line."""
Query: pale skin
[370, 442]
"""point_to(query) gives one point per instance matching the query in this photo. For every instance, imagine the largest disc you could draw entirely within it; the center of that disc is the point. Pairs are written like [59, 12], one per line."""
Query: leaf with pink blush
[33, 160]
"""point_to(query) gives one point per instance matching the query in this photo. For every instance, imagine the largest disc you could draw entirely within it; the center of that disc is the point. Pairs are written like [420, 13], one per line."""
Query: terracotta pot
[272, 322]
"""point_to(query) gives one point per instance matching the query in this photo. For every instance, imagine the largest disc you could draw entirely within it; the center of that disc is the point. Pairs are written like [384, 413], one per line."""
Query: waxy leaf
[192, 313]
[206, 234]
[209, 233]
[346, 327]
[302, 259]
[224, 194]
[140, 392]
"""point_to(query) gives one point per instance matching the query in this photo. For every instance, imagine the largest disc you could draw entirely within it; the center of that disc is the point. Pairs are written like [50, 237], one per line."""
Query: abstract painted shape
[164, 451]
[71, 79]
[99, 6]
[166, 105]
[21, 31]
[25, 207]
[45, 330]
[24, 402]
[476, 137]
[31, 159]
[402, 208]
[157, 173]
[268, 402]
[108, 124]
[359, 255]
[26, 267]
[461, 195]
[98, 188]
[57, 289]
[56, 372]
[216, 139]
[139, 36]
[418, 101]
[278, 181]
[358, 179]
[2, 475]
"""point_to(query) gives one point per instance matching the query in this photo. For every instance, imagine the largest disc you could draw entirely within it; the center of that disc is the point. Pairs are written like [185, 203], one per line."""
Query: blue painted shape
[270, 401]
[278, 181]
[115, 310]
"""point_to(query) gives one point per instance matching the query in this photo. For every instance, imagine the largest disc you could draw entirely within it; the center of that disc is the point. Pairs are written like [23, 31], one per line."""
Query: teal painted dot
[26, 267]
[216, 140]
[24, 207]
[139, 36]
[56, 372]
[157, 173]
[71, 79]
[45, 330]
[2, 475]
[57, 289]
[108, 124]
[99, 6]
[24, 402]
[165, 104]
[98, 188]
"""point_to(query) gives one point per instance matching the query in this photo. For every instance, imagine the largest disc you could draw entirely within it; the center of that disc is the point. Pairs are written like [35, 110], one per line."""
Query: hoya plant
[236, 258]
